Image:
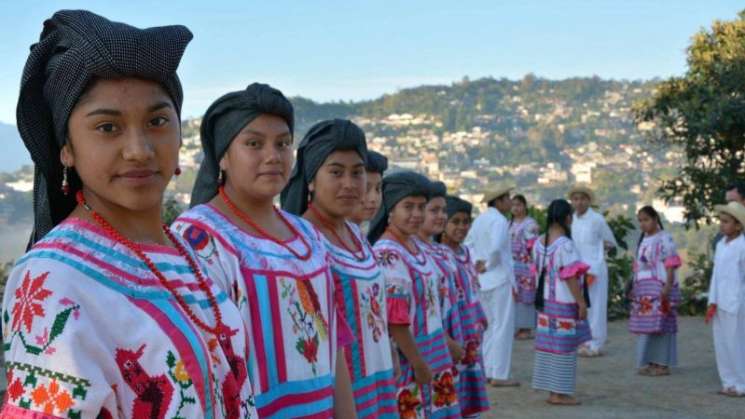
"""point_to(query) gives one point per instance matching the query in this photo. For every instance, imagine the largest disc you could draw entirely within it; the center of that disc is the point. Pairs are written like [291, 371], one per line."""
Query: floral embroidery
[153, 393]
[177, 372]
[371, 302]
[409, 402]
[444, 389]
[28, 301]
[36, 388]
[43, 341]
[308, 322]
[51, 398]
[472, 353]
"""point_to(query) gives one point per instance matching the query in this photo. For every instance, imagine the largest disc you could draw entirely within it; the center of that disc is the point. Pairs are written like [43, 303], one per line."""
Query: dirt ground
[610, 388]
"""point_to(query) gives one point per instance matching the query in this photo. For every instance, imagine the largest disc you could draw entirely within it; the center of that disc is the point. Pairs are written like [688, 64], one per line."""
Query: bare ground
[609, 386]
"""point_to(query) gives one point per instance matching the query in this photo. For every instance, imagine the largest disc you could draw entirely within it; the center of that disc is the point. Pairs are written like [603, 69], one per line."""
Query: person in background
[375, 165]
[727, 300]
[734, 192]
[489, 243]
[593, 237]
[655, 296]
[562, 307]
[523, 232]
[426, 387]
[472, 383]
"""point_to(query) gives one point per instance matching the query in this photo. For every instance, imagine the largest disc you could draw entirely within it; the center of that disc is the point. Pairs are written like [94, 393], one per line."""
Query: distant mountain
[14, 153]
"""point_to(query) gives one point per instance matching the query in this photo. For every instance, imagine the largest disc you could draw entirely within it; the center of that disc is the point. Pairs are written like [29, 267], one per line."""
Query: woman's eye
[284, 144]
[158, 121]
[253, 143]
[107, 128]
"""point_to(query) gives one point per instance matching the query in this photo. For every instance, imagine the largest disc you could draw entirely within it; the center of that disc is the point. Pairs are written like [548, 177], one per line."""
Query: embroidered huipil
[650, 312]
[360, 297]
[287, 304]
[89, 331]
[471, 380]
[523, 235]
[412, 288]
[559, 330]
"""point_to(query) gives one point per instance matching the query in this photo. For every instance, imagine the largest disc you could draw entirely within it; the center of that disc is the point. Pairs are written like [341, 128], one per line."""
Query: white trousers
[597, 314]
[499, 306]
[729, 348]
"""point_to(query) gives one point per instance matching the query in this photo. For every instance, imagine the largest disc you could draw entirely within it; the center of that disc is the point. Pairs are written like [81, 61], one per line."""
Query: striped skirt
[555, 372]
[658, 349]
[525, 316]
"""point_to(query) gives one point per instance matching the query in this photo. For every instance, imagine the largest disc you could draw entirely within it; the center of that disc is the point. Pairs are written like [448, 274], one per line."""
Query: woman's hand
[582, 310]
[422, 373]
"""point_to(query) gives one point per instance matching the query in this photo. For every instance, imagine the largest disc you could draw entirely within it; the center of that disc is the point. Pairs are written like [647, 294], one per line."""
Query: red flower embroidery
[309, 348]
[445, 394]
[407, 404]
[645, 305]
[28, 298]
[15, 390]
[566, 325]
[542, 321]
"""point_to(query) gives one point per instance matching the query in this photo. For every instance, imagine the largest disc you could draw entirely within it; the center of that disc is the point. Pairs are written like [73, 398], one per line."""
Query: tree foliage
[703, 113]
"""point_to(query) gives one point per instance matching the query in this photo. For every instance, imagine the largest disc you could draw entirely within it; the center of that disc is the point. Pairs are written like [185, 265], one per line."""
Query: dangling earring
[221, 177]
[177, 172]
[65, 182]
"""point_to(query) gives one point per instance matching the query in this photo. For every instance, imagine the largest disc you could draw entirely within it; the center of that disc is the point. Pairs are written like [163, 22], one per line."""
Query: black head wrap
[224, 119]
[456, 205]
[321, 140]
[396, 187]
[75, 48]
[376, 162]
[437, 189]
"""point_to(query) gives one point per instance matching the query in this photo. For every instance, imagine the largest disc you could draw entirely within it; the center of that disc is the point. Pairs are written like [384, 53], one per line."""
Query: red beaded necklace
[358, 254]
[116, 236]
[246, 219]
[402, 242]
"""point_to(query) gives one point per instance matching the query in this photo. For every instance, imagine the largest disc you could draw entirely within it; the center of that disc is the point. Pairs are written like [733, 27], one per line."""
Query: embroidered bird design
[231, 387]
[153, 393]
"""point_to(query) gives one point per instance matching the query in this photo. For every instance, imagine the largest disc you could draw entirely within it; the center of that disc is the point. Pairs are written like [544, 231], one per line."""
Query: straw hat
[494, 192]
[582, 188]
[734, 209]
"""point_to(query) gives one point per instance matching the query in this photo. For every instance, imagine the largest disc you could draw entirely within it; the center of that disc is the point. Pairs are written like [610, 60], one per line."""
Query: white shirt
[727, 287]
[489, 241]
[590, 234]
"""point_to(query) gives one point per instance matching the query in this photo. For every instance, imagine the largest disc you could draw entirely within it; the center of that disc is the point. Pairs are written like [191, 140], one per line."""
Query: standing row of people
[239, 309]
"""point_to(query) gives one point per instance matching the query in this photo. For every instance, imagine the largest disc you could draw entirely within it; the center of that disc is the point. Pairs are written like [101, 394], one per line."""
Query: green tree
[703, 112]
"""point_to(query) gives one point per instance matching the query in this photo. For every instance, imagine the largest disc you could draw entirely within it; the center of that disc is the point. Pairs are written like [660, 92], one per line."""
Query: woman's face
[124, 139]
[646, 223]
[373, 197]
[518, 208]
[457, 227]
[435, 216]
[408, 214]
[258, 161]
[339, 184]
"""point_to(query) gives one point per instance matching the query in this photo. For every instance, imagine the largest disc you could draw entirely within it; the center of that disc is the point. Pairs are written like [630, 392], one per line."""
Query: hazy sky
[329, 50]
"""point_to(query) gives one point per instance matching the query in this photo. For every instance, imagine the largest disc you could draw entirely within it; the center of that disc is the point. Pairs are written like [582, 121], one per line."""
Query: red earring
[177, 172]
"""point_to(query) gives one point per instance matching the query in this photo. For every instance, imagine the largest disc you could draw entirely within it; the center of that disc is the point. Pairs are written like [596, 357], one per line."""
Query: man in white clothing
[727, 300]
[592, 236]
[490, 245]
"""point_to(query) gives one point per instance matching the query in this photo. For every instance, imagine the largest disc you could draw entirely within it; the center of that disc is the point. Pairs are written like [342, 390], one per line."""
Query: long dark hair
[558, 212]
[652, 213]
